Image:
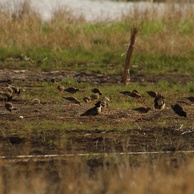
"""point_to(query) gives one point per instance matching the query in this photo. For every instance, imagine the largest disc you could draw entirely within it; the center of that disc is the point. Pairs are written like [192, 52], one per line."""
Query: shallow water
[90, 10]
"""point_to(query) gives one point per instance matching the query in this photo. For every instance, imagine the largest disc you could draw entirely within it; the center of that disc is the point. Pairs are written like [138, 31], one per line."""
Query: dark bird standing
[159, 102]
[179, 110]
[93, 111]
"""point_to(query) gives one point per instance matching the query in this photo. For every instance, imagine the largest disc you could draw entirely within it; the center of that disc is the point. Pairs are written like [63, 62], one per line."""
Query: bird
[104, 102]
[5, 95]
[15, 139]
[151, 93]
[36, 102]
[184, 101]
[8, 89]
[179, 110]
[87, 99]
[142, 109]
[95, 96]
[94, 110]
[133, 94]
[72, 90]
[72, 100]
[96, 90]
[126, 93]
[15, 89]
[106, 99]
[9, 106]
[190, 98]
[159, 102]
[60, 88]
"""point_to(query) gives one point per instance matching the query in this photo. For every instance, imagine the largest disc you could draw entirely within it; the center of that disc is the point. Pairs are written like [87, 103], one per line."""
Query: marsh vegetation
[36, 141]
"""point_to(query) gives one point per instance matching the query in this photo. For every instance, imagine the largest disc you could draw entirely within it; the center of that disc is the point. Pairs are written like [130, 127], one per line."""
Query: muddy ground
[149, 138]
[54, 143]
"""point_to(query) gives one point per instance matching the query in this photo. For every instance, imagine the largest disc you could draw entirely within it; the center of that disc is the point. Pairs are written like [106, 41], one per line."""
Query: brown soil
[150, 138]
[92, 78]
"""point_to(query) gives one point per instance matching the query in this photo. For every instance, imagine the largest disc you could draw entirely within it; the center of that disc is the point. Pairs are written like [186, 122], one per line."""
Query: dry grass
[75, 175]
[172, 36]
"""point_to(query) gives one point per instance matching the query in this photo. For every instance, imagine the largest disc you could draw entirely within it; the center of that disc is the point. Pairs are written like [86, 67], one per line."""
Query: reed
[116, 175]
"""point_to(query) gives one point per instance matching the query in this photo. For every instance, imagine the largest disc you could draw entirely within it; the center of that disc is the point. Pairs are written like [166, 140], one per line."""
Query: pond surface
[99, 10]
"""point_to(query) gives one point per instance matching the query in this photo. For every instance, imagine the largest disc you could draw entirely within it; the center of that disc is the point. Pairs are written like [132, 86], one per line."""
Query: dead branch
[125, 77]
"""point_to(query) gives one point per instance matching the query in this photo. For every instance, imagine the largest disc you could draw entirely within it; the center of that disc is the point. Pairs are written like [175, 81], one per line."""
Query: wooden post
[125, 77]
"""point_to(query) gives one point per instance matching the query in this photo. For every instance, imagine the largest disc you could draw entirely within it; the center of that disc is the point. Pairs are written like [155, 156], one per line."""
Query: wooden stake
[125, 77]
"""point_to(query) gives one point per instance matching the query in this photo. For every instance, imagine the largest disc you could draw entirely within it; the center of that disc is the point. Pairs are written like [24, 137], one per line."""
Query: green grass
[162, 45]
[56, 115]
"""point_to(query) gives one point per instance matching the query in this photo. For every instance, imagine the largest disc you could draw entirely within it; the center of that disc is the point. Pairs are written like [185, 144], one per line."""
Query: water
[90, 10]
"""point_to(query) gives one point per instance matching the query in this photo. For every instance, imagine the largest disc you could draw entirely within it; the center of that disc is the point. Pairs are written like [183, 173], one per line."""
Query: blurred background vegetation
[164, 42]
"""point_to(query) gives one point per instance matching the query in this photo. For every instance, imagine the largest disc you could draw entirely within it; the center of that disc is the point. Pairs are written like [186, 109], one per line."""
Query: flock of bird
[159, 101]
[101, 102]
[6, 95]
[96, 93]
